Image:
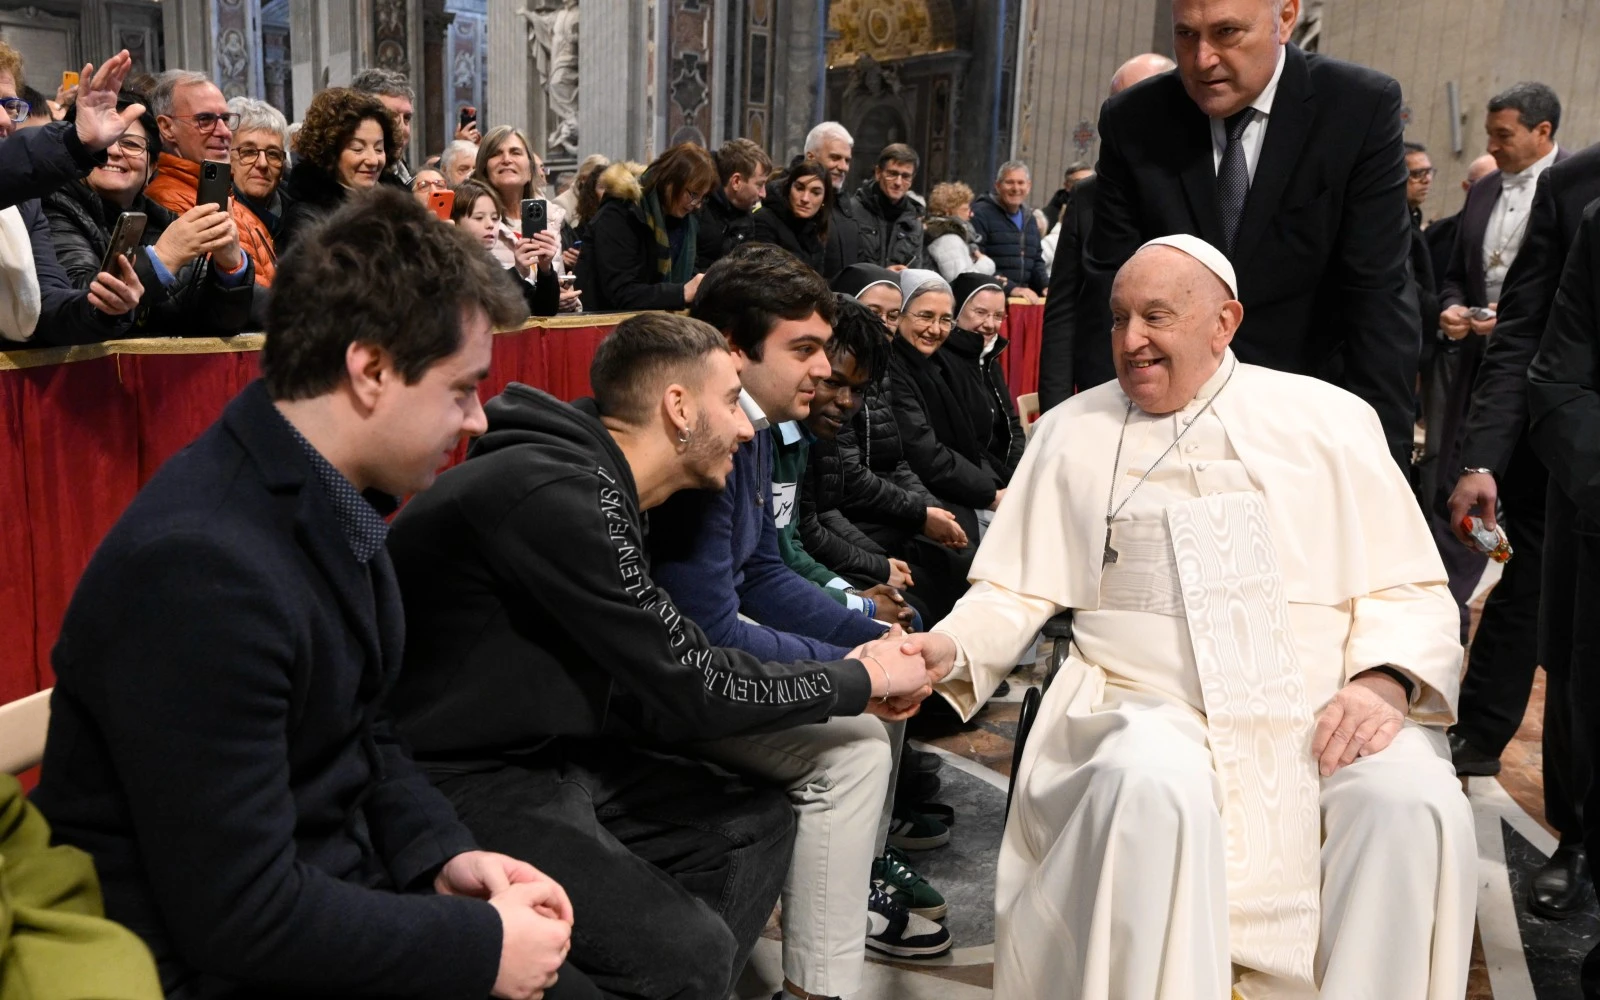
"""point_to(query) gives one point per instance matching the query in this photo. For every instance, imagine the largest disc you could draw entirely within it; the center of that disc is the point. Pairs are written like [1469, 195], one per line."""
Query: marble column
[800, 73]
[330, 40]
[186, 27]
[616, 59]
[505, 96]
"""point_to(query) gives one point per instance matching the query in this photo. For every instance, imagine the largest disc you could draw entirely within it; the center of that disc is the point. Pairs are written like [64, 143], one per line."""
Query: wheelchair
[1058, 632]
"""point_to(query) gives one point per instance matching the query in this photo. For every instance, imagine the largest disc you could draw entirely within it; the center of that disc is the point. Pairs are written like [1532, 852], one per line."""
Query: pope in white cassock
[1239, 777]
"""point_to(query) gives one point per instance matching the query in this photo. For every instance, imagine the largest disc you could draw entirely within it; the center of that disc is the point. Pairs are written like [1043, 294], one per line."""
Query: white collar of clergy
[752, 410]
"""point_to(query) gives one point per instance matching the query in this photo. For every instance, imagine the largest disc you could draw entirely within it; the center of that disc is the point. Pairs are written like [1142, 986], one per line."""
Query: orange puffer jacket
[174, 189]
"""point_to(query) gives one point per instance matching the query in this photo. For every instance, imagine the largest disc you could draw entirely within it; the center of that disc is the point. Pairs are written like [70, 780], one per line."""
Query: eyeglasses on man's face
[205, 121]
[248, 155]
[16, 108]
[1423, 173]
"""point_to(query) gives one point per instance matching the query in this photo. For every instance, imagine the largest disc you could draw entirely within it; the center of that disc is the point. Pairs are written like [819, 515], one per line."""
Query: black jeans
[672, 867]
[1505, 651]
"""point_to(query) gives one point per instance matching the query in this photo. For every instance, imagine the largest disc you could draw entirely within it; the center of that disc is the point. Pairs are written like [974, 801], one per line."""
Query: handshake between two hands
[904, 668]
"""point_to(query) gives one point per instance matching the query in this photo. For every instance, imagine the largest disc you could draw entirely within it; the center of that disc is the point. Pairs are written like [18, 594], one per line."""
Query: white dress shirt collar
[1526, 177]
[752, 410]
[1255, 133]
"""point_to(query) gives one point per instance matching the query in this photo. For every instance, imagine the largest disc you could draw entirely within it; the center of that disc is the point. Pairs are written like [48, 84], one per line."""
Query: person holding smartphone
[196, 279]
[37, 302]
[477, 212]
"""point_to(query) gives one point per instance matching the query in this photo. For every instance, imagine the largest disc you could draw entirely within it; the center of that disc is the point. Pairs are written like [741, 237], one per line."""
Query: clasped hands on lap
[535, 917]
[1361, 719]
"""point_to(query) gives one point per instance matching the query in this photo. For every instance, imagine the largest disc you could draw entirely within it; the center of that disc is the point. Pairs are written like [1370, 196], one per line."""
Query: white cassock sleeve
[992, 627]
[1416, 629]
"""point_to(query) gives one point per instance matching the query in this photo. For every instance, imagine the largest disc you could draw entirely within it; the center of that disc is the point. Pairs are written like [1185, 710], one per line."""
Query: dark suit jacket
[1462, 282]
[1322, 248]
[1441, 234]
[1499, 412]
[217, 744]
[1563, 404]
[1066, 360]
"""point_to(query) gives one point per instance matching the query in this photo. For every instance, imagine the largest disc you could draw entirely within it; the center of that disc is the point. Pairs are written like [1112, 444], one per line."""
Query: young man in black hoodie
[555, 694]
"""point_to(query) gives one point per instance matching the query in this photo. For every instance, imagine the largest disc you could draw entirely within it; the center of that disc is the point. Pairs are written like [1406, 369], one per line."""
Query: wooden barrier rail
[82, 428]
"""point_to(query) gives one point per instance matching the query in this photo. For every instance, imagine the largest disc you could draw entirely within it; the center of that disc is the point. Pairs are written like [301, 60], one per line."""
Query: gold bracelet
[886, 682]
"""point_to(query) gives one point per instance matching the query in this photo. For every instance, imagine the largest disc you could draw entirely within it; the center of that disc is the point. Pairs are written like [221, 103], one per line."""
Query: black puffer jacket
[197, 304]
[844, 238]
[890, 233]
[775, 223]
[314, 194]
[1003, 430]
[1015, 251]
[722, 228]
[934, 408]
[879, 484]
[824, 530]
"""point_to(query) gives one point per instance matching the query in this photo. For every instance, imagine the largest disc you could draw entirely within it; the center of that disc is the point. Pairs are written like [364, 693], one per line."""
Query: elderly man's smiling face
[1172, 320]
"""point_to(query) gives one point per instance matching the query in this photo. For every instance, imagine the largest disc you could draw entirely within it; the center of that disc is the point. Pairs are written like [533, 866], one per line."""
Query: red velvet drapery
[81, 429]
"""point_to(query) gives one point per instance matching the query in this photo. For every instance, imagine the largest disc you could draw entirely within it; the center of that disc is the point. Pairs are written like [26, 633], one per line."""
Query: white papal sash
[1260, 728]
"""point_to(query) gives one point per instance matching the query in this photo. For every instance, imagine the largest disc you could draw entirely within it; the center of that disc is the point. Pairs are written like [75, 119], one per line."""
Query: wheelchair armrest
[1059, 627]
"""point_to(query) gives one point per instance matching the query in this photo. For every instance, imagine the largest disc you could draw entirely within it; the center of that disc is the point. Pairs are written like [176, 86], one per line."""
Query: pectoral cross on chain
[1111, 553]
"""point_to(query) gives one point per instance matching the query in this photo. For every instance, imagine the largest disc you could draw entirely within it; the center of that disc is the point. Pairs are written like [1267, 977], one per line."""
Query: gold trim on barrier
[40, 357]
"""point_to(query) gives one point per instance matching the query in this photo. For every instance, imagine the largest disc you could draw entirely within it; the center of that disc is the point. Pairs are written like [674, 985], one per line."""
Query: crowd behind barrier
[85, 427]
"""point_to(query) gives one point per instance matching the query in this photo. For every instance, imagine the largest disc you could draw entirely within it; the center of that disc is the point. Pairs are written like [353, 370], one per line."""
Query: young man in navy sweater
[717, 555]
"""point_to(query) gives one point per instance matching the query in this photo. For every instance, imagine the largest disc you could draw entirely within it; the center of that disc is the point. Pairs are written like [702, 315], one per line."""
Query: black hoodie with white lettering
[530, 612]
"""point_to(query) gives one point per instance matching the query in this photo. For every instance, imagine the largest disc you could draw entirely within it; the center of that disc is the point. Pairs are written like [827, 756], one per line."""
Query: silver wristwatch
[1470, 471]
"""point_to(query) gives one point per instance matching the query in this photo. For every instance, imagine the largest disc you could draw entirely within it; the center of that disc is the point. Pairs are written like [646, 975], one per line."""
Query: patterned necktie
[1233, 177]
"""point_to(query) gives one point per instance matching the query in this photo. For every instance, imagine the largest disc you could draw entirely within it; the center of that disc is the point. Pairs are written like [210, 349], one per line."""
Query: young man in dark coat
[888, 218]
[729, 210]
[218, 736]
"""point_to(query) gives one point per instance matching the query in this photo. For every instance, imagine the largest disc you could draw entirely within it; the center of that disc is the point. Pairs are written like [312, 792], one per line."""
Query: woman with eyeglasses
[640, 253]
[976, 346]
[935, 403]
[343, 146]
[795, 213]
[259, 157]
[197, 281]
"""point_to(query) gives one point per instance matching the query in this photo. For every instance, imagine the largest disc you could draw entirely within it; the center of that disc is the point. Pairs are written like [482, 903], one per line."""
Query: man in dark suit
[1066, 361]
[1293, 165]
[218, 741]
[1496, 438]
[1521, 126]
[1563, 426]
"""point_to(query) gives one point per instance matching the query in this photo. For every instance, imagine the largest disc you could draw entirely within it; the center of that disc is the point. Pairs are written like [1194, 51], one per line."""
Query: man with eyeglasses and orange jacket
[196, 126]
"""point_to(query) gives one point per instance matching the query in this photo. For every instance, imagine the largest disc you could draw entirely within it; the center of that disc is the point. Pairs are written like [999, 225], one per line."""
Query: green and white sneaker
[910, 830]
[906, 887]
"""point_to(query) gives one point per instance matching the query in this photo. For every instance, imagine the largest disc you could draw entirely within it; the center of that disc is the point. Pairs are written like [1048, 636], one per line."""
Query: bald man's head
[1172, 321]
[1478, 169]
[1138, 69]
